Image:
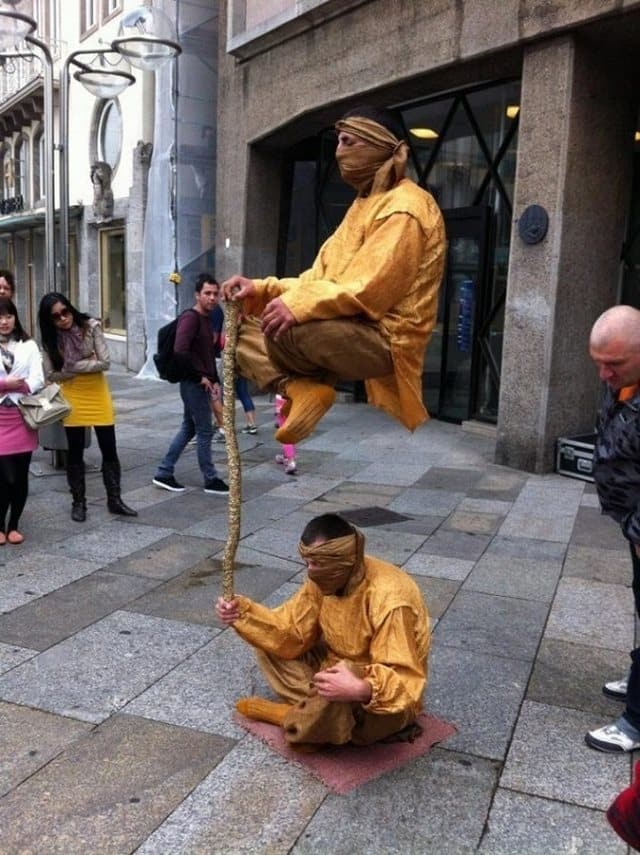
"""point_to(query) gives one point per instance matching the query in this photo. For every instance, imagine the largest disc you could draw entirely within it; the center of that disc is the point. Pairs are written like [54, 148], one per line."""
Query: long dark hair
[48, 331]
[8, 307]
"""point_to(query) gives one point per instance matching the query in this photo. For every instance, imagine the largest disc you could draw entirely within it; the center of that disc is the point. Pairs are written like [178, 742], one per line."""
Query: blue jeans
[196, 421]
[632, 711]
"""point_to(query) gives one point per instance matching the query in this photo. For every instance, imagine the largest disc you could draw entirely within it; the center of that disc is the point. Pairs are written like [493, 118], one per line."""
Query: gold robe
[381, 625]
[385, 263]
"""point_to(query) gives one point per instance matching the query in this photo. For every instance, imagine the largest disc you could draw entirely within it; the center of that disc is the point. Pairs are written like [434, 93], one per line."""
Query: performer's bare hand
[338, 683]
[276, 318]
[227, 610]
[238, 288]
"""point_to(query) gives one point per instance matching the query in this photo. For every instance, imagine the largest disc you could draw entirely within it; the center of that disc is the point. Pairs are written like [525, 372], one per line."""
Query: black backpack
[169, 368]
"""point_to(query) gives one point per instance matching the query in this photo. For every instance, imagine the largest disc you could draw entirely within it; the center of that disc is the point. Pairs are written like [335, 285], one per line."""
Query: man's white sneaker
[613, 739]
[616, 689]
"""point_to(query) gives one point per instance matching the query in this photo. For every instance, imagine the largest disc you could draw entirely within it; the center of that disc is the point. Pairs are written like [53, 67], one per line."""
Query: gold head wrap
[337, 562]
[376, 167]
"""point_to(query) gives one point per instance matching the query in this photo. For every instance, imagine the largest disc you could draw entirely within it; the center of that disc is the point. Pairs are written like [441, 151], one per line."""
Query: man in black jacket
[615, 348]
[194, 348]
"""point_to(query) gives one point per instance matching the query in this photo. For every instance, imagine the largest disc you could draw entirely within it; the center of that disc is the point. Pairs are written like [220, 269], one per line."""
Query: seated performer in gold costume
[347, 654]
[366, 308]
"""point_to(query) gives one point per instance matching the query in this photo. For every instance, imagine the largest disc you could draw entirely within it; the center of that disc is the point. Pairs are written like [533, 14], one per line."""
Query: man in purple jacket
[194, 349]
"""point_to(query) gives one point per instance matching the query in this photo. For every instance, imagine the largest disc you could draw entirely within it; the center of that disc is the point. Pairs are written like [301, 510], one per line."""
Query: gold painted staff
[232, 312]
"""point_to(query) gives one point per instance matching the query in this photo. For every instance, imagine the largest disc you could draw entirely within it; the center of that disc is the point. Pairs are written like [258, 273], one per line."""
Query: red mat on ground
[342, 768]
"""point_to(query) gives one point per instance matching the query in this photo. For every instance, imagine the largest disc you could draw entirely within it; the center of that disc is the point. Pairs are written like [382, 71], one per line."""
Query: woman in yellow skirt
[76, 356]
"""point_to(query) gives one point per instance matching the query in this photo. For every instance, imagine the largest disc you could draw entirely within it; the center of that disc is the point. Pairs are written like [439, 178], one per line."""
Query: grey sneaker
[168, 482]
[252, 429]
[616, 689]
[614, 738]
[219, 436]
[216, 487]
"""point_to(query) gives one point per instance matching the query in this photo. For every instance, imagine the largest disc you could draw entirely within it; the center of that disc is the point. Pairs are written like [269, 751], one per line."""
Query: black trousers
[632, 711]
[106, 436]
[14, 488]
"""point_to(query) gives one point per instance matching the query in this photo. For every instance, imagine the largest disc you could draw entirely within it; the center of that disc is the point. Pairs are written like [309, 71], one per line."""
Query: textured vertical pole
[232, 312]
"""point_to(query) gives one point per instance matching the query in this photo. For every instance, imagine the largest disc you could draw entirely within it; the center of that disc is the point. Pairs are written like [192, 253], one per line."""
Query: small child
[288, 456]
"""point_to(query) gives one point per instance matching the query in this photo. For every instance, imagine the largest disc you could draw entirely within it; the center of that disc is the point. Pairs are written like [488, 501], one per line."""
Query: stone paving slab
[467, 546]
[592, 528]
[525, 547]
[63, 612]
[273, 541]
[110, 542]
[448, 478]
[525, 578]
[393, 546]
[29, 739]
[33, 574]
[388, 473]
[254, 801]
[519, 824]
[432, 805]
[166, 558]
[548, 758]
[95, 673]
[12, 655]
[423, 564]
[600, 565]
[429, 502]
[109, 791]
[501, 626]
[572, 675]
[473, 522]
[479, 693]
[256, 514]
[593, 614]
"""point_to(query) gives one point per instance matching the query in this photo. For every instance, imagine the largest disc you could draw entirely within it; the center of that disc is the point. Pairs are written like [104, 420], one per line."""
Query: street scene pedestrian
[193, 349]
[7, 284]
[366, 308]
[20, 374]
[615, 348]
[76, 356]
[287, 456]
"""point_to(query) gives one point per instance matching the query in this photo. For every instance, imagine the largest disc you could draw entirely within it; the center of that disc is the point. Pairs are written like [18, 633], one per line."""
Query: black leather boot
[75, 479]
[111, 478]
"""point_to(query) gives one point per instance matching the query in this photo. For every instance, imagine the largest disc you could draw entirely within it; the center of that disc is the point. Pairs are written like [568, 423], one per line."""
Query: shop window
[113, 280]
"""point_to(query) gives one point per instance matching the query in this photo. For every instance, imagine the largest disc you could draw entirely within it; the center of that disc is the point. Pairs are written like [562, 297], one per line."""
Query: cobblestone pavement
[117, 683]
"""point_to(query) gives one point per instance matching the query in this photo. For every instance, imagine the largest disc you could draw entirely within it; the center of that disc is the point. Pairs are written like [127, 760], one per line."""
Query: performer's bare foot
[309, 402]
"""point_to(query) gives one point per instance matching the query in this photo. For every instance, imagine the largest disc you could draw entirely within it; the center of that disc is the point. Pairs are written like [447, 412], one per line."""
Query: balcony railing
[18, 72]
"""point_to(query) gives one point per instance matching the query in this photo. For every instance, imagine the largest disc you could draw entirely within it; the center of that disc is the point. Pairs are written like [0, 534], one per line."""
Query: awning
[25, 220]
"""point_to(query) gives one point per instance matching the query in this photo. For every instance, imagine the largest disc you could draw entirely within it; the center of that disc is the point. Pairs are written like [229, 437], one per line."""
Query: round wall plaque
[533, 224]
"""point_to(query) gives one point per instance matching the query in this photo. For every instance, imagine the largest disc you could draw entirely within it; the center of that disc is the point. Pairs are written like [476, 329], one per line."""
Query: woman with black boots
[76, 357]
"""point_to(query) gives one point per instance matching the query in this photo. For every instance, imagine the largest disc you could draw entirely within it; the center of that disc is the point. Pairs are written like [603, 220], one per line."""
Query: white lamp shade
[16, 22]
[147, 38]
[104, 84]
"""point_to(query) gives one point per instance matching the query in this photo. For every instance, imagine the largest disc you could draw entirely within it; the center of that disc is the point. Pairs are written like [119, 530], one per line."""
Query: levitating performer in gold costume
[347, 654]
[366, 308]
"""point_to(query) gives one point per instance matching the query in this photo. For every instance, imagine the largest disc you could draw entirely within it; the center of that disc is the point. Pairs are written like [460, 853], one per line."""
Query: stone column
[575, 153]
[134, 243]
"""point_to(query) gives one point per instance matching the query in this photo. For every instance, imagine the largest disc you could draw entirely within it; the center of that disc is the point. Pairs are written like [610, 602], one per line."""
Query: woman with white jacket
[20, 374]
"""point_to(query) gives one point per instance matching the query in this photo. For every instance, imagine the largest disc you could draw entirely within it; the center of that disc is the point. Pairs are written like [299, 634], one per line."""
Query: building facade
[522, 120]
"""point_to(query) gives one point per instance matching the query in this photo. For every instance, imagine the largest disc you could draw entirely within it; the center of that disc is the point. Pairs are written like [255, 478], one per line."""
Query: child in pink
[288, 456]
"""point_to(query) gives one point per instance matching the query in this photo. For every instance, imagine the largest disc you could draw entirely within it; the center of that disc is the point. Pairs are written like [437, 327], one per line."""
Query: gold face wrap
[376, 167]
[337, 562]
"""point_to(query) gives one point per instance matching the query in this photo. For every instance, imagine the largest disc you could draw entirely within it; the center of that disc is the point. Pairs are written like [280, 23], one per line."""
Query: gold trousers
[324, 350]
[316, 720]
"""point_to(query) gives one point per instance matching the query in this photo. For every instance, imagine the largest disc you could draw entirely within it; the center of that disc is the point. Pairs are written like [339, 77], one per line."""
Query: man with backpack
[194, 363]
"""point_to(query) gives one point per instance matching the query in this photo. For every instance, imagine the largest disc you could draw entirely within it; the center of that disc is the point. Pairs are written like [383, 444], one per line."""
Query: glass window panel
[460, 166]
[489, 108]
[110, 134]
[424, 126]
[112, 280]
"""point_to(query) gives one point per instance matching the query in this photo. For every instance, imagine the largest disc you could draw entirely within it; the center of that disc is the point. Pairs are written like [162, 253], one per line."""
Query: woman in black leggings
[76, 356]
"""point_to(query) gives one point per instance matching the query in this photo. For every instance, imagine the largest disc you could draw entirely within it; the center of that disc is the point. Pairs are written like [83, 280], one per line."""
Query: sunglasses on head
[58, 316]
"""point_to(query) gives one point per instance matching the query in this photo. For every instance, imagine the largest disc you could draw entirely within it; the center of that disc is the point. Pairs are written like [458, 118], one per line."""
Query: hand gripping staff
[232, 311]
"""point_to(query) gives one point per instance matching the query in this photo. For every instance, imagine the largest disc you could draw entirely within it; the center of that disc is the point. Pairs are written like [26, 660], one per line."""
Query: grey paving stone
[166, 558]
[479, 693]
[108, 791]
[255, 514]
[447, 478]
[594, 529]
[34, 574]
[438, 594]
[525, 547]
[593, 614]
[393, 546]
[303, 488]
[423, 564]
[548, 757]
[191, 596]
[600, 565]
[503, 626]
[434, 804]
[544, 510]
[572, 675]
[179, 511]
[266, 804]
[273, 541]
[431, 502]
[519, 823]
[589, 500]
[110, 542]
[418, 524]
[29, 739]
[96, 672]
[485, 506]
[363, 494]
[473, 522]
[202, 691]
[526, 578]
[388, 473]
[457, 544]
[12, 655]
[63, 612]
